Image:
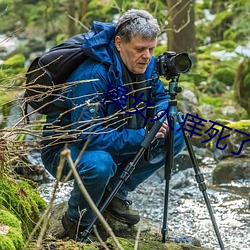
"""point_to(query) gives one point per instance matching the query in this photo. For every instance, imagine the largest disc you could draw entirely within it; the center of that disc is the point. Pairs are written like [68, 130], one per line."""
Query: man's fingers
[159, 135]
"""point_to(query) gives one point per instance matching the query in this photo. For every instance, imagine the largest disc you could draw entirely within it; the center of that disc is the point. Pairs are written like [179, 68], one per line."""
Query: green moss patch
[10, 231]
[22, 200]
[128, 244]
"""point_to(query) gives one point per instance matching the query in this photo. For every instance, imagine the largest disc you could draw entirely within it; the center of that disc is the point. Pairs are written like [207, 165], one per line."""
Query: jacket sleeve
[88, 115]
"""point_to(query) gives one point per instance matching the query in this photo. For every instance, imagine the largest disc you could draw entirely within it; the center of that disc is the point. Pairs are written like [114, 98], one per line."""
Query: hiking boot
[121, 211]
[75, 231]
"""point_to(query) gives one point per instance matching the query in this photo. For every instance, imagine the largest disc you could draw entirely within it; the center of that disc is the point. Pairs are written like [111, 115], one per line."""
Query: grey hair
[137, 22]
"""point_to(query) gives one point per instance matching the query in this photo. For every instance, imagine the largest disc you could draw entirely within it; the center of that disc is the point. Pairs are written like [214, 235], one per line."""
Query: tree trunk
[181, 27]
[71, 6]
[83, 7]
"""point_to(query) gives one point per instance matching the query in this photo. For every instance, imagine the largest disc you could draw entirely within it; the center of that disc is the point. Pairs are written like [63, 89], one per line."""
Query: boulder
[149, 237]
[231, 168]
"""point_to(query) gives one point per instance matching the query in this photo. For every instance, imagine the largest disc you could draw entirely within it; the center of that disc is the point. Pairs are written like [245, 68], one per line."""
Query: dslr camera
[171, 65]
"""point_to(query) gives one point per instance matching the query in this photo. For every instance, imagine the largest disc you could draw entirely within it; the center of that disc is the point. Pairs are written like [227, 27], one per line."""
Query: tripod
[173, 90]
[169, 163]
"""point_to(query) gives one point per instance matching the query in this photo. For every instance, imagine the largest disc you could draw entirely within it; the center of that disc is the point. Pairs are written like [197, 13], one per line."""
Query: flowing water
[187, 212]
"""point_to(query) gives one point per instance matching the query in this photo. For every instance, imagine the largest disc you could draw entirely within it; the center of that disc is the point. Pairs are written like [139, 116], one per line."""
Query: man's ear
[118, 42]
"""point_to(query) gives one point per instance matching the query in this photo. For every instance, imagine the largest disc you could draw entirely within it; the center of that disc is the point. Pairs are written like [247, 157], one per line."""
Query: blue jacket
[90, 118]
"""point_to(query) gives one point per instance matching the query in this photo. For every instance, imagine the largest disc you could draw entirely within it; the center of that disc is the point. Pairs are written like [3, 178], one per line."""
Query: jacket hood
[98, 43]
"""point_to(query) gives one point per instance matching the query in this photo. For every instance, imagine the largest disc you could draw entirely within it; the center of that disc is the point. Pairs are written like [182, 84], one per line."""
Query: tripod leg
[168, 173]
[202, 186]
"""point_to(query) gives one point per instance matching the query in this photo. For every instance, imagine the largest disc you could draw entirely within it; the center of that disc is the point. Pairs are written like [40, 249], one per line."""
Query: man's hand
[163, 130]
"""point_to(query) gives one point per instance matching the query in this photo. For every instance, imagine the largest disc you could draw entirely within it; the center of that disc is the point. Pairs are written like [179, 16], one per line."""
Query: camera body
[171, 65]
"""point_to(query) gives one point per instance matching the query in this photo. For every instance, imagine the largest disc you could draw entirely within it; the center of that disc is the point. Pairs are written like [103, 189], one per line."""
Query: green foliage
[17, 61]
[216, 67]
[9, 219]
[12, 67]
[221, 23]
[229, 23]
[160, 49]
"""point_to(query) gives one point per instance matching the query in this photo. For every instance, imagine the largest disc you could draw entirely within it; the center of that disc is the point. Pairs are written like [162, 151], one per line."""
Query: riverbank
[188, 215]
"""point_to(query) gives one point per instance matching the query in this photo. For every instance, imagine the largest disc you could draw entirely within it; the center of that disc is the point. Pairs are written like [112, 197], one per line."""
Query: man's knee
[97, 165]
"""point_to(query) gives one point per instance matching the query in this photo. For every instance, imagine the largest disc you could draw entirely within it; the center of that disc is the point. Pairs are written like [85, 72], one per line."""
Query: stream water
[187, 212]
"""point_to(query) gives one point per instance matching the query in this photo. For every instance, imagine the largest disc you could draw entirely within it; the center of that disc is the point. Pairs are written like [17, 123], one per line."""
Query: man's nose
[146, 54]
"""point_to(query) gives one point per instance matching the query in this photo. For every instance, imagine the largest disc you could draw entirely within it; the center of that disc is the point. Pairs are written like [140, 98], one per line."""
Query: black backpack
[47, 74]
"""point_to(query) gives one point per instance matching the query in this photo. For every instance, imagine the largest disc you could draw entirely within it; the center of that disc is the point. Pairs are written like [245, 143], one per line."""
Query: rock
[149, 237]
[231, 168]
[181, 179]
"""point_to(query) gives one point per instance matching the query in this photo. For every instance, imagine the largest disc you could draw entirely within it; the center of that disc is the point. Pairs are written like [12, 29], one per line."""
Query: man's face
[137, 53]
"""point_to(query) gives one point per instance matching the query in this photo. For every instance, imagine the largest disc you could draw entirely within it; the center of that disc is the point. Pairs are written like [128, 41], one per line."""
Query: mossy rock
[21, 199]
[128, 244]
[219, 104]
[225, 75]
[231, 169]
[239, 132]
[11, 237]
[242, 84]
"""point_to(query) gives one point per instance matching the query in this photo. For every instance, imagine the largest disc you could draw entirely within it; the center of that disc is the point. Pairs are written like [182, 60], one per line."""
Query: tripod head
[174, 89]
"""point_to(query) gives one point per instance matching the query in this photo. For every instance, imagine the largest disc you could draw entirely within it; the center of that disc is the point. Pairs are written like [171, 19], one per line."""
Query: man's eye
[139, 50]
[151, 50]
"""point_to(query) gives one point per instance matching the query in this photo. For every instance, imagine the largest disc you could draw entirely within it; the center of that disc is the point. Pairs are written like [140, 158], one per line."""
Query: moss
[9, 219]
[21, 199]
[240, 125]
[16, 61]
[13, 70]
[219, 103]
[214, 101]
[128, 244]
[242, 84]
[224, 75]
[228, 45]
[6, 243]
[13, 239]
[16, 237]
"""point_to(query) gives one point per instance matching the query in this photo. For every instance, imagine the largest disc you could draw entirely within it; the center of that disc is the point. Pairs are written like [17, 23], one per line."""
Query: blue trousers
[100, 170]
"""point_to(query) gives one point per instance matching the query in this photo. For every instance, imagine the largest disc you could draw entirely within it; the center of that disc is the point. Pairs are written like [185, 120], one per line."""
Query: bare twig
[77, 21]
[66, 155]
[99, 238]
[137, 236]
